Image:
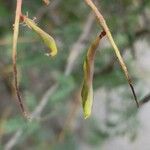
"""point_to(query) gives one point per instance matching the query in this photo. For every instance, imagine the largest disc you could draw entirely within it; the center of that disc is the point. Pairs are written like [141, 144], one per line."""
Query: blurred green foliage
[39, 72]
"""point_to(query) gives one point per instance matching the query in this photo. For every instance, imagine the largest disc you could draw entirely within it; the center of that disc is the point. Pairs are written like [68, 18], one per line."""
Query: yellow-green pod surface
[48, 40]
[88, 69]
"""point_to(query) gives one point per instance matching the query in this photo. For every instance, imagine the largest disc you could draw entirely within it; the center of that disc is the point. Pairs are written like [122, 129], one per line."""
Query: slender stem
[108, 33]
[14, 55]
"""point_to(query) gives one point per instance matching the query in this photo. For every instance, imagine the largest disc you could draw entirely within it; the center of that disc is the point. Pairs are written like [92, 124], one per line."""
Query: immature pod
[48, 40]
[88, 69]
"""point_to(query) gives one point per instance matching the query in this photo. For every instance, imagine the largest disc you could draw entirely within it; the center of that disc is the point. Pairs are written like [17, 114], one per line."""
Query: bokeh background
[50, 87]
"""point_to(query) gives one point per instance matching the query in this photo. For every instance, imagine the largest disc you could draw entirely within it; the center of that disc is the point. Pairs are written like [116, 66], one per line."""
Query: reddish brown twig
[14, 55]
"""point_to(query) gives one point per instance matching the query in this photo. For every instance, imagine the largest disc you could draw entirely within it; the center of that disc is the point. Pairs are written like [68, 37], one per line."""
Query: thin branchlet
[103, 23]
[14, 56]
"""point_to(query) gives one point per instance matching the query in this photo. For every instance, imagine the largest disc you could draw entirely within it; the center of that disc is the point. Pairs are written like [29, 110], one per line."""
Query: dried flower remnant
[14, 57]
[46, 2]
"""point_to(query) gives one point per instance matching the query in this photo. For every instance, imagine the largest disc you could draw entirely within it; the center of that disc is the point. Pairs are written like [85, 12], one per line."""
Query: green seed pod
[88, 69]
[48, 40]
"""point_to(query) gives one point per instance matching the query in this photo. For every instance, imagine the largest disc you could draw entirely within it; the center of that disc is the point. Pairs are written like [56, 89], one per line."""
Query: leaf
[88, 68]
[48, 40]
